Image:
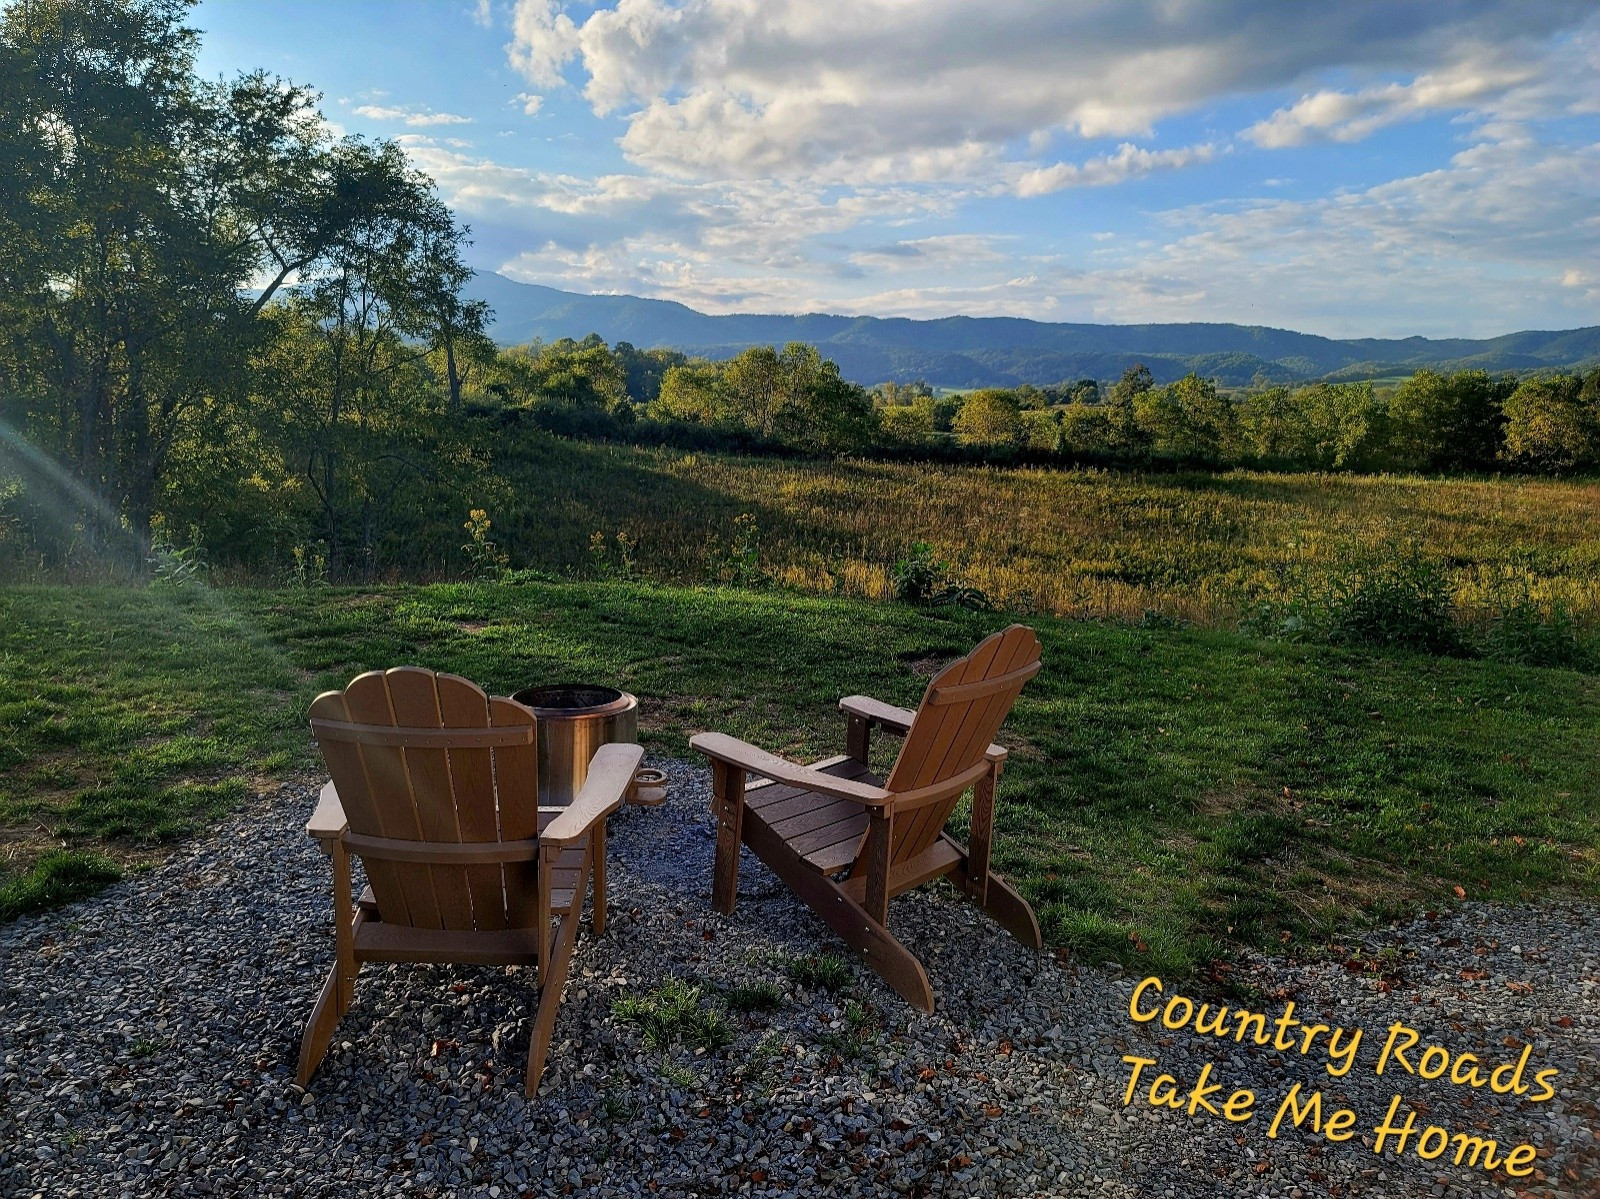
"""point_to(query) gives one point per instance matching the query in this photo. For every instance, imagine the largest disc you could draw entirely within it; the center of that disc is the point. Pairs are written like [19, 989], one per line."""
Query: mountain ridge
[971, 351]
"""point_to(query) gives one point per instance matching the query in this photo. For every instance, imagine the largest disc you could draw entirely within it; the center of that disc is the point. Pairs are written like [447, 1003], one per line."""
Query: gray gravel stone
[148, 1039]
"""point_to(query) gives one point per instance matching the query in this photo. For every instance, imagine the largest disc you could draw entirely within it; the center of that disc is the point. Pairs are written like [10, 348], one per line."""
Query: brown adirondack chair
[847, 841]
[434, 787]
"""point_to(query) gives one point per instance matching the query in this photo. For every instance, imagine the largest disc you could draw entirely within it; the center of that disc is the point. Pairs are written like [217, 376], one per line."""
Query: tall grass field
[1202, 548]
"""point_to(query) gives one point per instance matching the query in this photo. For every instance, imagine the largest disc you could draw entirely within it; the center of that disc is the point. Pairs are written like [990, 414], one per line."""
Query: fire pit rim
[620, 701]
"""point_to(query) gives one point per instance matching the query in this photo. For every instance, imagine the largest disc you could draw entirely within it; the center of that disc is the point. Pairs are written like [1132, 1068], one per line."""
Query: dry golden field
[1091, 543]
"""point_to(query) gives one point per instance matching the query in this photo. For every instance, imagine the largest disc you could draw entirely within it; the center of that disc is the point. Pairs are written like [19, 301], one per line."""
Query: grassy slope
[1184, 791]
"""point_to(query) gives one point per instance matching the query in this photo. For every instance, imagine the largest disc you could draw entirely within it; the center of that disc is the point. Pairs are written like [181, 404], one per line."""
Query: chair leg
[320, 1025]
[727, 804]
[554, 978]
[982, 835]
[1012, 912]
[1007, 908]
[892, 961]
[339, 991]
[598, 851]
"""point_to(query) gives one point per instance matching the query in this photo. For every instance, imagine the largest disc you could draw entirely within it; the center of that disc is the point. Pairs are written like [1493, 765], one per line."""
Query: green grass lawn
[1174, 794]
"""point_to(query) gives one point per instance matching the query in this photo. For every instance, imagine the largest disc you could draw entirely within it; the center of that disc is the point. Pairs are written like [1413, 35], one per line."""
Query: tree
[1271, 427]
[900, 395]
[367, 310]
[139, 207]
[1188, 419]
[1126, 435]
[906, 424]
[692, 391]
[1087, 429]
[1344, 425]
[1449, 422]
[1553, 423]
[793, 396]
[643, 370]
[989, 417]
[565, 373]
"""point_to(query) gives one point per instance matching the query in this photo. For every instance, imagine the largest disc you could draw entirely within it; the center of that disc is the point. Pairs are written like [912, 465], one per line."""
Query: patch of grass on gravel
[675, 1011]
[58, 877]
[754, 997]
[1173, 794]
[821, 971]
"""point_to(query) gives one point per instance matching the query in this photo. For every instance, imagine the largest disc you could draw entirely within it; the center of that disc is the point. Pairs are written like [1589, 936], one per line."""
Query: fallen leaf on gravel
[992, 1110]
[1520, 988]
[1461, 892]
[1564, 1021]
[1474, 975]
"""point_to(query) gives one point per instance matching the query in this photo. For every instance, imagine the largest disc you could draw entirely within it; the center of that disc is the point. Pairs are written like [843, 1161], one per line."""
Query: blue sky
[1355, 168]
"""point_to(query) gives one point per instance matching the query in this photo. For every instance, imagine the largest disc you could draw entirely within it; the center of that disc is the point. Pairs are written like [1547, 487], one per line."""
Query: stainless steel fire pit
[574, 720]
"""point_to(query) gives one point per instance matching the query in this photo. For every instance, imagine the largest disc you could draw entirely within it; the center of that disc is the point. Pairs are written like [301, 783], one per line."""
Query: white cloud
[411, 116]
[1479, 246]
[543, 40]
[1128, 162]
[944, 251]
[794, 155]
[531, 102]
[887, 89]
[1352, 116]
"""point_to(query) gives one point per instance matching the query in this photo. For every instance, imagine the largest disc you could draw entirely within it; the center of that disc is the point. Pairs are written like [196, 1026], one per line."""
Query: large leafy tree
[149, 220]
[792, 395]
[1188, 419]
[1553, 422]
[1449, 422]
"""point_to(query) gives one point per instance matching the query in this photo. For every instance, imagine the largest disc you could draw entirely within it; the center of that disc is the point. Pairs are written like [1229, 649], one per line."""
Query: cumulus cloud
[939, 89]
[793, 155]
[543, 39]
[1129, 161]
[1352, 116]
[415, 117]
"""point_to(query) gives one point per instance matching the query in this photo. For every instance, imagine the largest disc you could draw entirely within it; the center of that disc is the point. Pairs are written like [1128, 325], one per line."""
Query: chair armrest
[897, 721]
[759, 762]
[327, 823]
[610, 775]
[892, 719]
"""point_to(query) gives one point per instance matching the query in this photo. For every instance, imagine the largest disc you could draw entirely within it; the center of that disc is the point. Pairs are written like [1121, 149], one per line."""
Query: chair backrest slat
[463, 704]
[401, 748]
[961, 711]
[516, 771]
[414, 700]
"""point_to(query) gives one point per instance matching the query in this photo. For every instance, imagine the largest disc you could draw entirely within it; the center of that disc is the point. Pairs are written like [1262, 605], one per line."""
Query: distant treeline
[795, 400]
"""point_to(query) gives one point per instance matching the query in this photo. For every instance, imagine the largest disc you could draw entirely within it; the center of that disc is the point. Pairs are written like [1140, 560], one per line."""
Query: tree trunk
[452, 374]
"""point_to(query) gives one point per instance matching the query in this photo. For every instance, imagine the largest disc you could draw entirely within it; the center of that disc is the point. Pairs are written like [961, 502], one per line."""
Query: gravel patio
[148, 1037]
